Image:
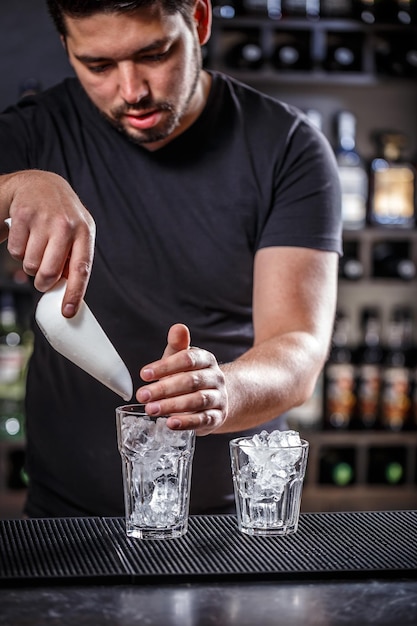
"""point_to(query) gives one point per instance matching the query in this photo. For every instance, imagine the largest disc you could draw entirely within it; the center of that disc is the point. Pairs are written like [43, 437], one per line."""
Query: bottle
[267, 8]
[337, 466]
[339, 378]
[396, 54]
[392, 183]
[246, 54]
[395, 397]
[369, 357]
[387, 466]
[309, 9]
[391, 259]
[344, 52]
[350, 265]
[352, 172]
[15, 349]
[336, 9]
[366, 11]
[226, 9]
[291, 52]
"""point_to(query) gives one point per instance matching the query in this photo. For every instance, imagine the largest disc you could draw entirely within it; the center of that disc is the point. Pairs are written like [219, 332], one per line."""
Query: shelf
[361, 495]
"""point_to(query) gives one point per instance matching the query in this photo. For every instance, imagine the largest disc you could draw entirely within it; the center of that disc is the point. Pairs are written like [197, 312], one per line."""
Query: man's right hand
[52, 233]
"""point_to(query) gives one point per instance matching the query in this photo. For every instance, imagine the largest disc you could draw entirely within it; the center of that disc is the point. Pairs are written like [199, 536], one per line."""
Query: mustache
[143, 106]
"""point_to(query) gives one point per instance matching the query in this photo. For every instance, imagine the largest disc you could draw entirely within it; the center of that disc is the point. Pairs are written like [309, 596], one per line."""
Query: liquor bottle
[404, 11]
[390, 259]
[395, 396]
[267, 8]
[246, 54]
[226, 9]
[15, 348]
[309, 9]
[387, 466]
[392, 183]
[350, 265]
[292, 52]
[352, 172]
[336, 8]
[339, 378]
[337, 467]
[396, 54]
[344, 52]
[364, 11]
[369, 357]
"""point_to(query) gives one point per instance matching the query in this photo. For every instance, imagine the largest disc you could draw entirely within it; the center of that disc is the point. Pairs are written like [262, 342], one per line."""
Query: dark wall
[29, 48]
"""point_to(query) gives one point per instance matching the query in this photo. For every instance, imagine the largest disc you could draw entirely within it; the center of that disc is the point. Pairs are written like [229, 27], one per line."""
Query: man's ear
[203, 18]
[64, 42]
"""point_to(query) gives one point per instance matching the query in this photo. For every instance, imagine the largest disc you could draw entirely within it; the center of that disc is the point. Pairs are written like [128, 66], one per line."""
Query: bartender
[188, 209]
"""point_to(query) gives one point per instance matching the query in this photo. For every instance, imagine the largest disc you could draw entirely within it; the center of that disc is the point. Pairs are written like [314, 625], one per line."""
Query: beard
[171, 120]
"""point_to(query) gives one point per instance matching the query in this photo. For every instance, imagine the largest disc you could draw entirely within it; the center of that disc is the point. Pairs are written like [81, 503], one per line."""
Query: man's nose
[132, 85]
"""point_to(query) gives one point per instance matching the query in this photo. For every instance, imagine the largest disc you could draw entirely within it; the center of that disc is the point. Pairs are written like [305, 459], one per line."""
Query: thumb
[179, 338]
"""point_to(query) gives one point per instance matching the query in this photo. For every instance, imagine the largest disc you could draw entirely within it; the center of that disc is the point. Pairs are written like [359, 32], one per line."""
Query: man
[217, 212]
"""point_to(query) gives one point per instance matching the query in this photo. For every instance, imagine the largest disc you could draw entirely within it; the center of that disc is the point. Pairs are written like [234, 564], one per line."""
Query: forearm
[271, 378]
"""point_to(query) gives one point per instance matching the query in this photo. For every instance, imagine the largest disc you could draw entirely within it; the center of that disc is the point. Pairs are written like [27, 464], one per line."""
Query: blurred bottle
[339, 378]
[309, 9]
[387, 466]
[246, 53]
[267, 8]
[350, 265]
[395, 402]
[333, 9]
[396, 54]
[375, 11]
[390, 259]
[352, 172]
[392, 183]
[337, 466]
[368, 357]
[15, 349]
[226, 9]
[292, 52]
[344, 52]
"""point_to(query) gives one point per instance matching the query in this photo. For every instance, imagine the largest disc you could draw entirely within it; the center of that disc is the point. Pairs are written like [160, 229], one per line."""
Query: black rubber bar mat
[91, 550]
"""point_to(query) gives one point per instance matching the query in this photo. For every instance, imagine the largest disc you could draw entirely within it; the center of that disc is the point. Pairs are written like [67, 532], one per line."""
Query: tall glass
[156, 464]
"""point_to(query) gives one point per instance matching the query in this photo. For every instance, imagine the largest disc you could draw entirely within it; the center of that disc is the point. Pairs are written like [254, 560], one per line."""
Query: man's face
[142, 70]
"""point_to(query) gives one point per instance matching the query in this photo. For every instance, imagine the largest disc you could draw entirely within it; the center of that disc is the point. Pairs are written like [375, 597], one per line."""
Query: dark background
[29, 48]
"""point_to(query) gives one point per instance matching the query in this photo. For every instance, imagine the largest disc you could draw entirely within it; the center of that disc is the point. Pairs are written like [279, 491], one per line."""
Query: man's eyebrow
[155, 45]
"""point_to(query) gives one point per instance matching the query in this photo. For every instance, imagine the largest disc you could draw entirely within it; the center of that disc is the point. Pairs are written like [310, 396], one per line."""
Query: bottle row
[372, 385]
[385, 465]
[388, 260]
[16, 343]
[380, 191]
[386, 53]
[365, 11]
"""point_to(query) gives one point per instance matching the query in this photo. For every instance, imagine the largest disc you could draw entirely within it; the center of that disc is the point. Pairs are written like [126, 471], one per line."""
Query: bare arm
[294, 303]
[52, 233]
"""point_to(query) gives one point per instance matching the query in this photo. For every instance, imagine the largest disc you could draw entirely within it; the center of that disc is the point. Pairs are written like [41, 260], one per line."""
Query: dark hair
[58, 9]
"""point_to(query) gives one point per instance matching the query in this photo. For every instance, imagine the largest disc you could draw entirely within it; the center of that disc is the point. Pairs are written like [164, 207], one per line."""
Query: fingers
[187, 385]
[52, 234]
[178, 339]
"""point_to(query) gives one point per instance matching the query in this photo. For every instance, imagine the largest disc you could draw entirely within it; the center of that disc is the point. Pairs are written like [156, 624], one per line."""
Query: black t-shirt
[177, 231]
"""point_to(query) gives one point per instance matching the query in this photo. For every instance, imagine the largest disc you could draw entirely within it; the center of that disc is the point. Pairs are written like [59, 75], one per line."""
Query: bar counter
[351, 568]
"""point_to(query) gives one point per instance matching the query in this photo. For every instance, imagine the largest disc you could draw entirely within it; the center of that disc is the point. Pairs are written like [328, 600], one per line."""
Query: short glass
[157, 464]
[268, 485]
